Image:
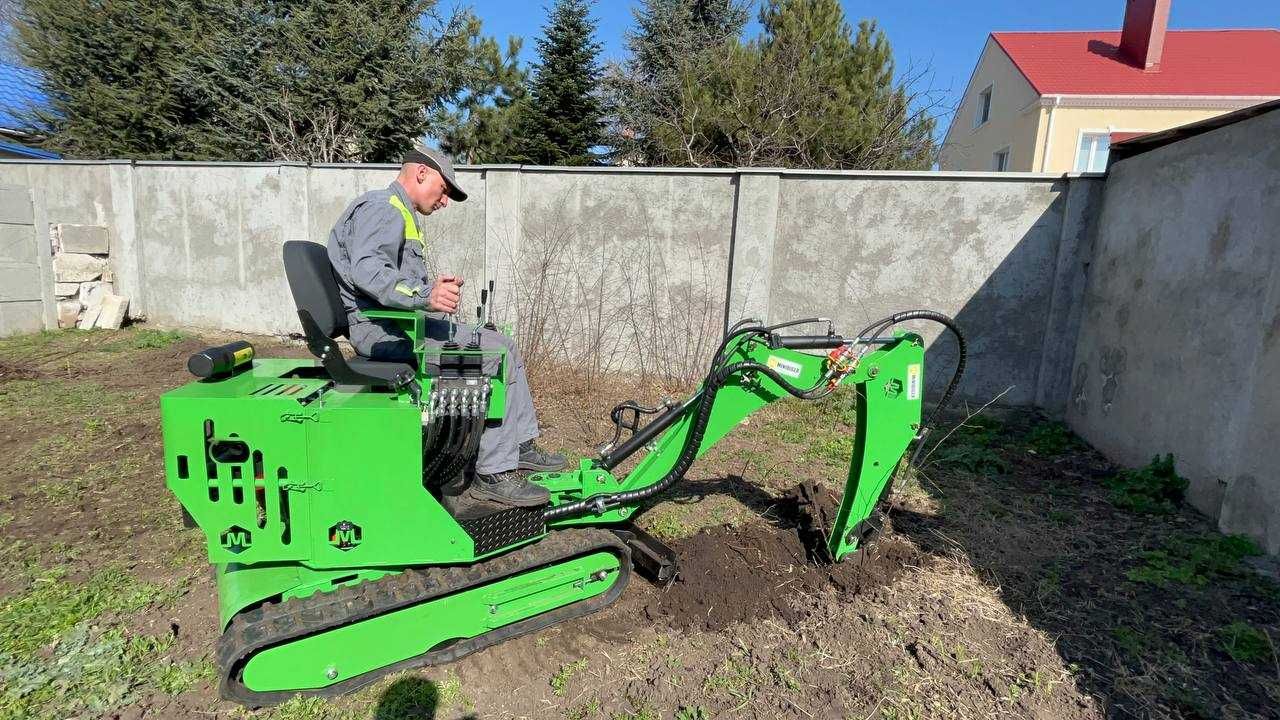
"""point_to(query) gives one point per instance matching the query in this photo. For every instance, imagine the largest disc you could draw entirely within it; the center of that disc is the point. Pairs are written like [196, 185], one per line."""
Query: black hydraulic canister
[221, 360]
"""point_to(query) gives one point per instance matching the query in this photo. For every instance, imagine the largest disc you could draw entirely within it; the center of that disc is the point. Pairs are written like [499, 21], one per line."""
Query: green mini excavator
[322, 486]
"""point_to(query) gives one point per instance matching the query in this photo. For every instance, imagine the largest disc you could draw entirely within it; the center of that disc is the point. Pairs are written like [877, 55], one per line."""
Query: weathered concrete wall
[985, 251]
[25, 284]
[1179, 348]
[638, 268]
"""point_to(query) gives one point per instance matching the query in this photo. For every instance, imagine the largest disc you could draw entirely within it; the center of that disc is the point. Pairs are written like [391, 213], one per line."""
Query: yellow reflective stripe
[410, 226]
[405, 290]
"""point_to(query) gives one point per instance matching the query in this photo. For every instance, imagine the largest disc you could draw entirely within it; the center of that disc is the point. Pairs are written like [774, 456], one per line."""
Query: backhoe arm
[887, 391]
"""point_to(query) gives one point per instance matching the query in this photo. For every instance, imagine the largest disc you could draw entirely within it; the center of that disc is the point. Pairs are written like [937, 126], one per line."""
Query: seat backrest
[314, 288]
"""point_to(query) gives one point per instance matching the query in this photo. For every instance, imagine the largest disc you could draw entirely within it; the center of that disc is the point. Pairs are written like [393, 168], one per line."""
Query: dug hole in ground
[1021, 575]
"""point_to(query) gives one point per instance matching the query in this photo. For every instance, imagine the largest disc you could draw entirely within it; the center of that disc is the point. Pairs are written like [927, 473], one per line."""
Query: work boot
[536, 459]
[509, 488]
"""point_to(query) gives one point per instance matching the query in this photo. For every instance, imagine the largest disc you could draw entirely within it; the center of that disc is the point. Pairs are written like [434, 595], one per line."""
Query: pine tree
[563, 121]
[674, 46]
[242, 80]
[481, 126]
[808, 92]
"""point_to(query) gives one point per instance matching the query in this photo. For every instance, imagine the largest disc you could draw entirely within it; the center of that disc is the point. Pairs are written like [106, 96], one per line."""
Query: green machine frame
[311, 496]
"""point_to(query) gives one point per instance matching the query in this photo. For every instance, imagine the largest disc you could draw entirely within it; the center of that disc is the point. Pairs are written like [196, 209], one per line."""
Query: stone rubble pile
[83, 282]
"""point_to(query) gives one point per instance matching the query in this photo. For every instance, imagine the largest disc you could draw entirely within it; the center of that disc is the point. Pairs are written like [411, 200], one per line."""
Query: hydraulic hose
[881, 325]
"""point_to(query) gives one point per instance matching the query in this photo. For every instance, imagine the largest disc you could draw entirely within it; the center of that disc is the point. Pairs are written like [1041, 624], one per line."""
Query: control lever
[489, 306]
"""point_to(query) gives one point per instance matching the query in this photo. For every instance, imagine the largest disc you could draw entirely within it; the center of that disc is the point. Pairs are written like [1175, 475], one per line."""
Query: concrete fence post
[502, 230]
[755, 231]
[128, 259]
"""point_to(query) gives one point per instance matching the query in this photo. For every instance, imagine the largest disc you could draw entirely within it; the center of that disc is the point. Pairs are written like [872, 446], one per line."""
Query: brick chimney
[1142, 39]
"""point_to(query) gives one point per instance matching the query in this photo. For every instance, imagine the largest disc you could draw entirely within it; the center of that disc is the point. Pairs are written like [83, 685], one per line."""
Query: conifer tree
[810, 91]
[306, 80]
[674, 46]
[482, 126]
[563, 121]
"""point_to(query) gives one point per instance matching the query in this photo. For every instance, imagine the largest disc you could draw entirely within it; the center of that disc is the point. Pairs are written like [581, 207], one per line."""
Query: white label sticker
[913, 382]
[784, 367]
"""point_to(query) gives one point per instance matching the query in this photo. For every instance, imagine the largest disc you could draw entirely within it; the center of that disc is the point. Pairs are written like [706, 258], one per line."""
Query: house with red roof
[1055, 101]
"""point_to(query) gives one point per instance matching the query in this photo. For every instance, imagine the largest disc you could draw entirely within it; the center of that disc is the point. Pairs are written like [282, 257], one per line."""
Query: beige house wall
[1014, 119]
[1070, 122]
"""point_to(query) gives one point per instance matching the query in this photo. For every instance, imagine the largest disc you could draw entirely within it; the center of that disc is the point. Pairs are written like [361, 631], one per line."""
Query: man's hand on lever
[445, 294]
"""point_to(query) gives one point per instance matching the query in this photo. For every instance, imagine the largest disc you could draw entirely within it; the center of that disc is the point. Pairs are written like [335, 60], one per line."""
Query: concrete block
[19, 282]
[89, 239]
[112, 313]
[68, 313]
[17, 244]
[15, 206]
[91, 293]
[65, 289]
[21, 317]
[89, 317]
[76, 267]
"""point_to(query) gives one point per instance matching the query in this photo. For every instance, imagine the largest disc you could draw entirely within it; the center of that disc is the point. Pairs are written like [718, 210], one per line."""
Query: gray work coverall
[376, 251]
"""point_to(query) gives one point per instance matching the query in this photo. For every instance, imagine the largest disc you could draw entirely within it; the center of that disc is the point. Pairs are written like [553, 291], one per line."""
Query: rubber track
[274, 624]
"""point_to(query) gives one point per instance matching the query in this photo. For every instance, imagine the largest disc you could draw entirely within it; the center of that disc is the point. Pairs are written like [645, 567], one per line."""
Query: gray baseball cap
[438, 161]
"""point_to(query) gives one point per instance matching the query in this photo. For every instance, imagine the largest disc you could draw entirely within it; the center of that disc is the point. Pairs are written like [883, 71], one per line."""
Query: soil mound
[730, 575]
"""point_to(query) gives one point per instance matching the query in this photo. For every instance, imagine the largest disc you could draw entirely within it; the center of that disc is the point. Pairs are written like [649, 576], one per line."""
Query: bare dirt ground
[1022, 575]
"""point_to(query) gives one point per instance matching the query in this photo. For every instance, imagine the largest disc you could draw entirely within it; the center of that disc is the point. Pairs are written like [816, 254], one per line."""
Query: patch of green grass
[183, 675]
[734, 678]
[148, 338]
[835, 450]
[1244, 642]
[55, 660]
[54, 606]
[1156, 489]
[971, 459]
[784, 675]
[668, 524]
[451, 694]
[972, 447]
[696, 712]
[1052, 438]
[299, 708]
[1194, 560]
[560, 681]
[644, 711]
[586, 710]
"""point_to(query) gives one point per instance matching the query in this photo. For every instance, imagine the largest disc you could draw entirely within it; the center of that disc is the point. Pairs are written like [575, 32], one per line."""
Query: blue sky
[943, 34]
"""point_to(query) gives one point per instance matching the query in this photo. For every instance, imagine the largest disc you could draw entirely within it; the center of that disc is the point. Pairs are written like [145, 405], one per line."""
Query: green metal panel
[240, 586]
[888, 418]
[346, 652]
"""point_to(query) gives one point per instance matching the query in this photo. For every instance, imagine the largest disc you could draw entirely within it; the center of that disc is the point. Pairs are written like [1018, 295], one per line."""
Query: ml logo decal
[345, 535]
[236, 539]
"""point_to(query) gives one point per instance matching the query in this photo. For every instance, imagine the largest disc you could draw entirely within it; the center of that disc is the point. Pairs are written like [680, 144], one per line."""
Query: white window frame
[1007, 151]
[990, 92]
[1108, 131]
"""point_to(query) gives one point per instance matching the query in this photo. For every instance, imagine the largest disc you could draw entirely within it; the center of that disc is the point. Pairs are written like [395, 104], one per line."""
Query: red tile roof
[1195, 62]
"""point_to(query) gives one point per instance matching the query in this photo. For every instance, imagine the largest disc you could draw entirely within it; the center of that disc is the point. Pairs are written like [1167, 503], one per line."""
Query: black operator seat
[315, 293]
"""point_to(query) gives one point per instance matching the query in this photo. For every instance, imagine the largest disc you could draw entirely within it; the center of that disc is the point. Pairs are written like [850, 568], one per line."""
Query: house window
[983, 113]
[1093, 152]
[1000, 160]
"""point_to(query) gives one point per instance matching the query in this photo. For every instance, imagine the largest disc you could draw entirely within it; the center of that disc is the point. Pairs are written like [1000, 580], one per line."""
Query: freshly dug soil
[730, 575]
[17, 371]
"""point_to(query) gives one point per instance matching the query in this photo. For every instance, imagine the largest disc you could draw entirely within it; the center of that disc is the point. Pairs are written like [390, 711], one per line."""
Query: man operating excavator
[378, 254]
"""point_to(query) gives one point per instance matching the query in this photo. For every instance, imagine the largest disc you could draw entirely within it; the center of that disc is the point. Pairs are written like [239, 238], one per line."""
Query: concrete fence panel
[1179, 346]
[25, 285]
[631, 268]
